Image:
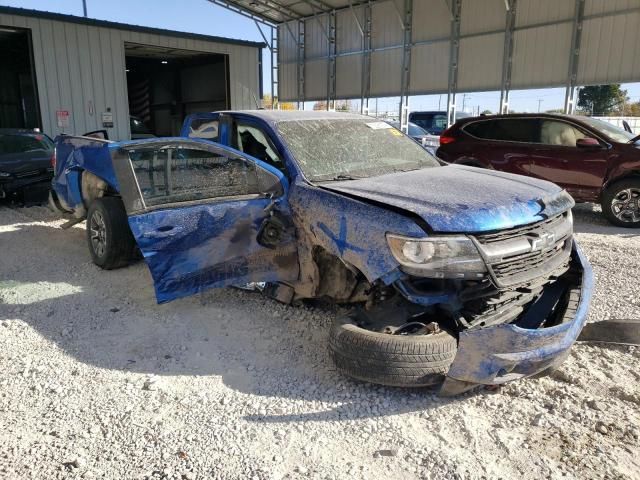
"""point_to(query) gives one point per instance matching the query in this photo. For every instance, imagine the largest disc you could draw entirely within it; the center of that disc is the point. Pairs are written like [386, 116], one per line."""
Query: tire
[393, 360]
[107, 220]
[622, 193]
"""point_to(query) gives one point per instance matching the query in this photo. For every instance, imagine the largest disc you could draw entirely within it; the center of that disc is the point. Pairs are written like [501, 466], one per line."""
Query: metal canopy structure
[339, 49]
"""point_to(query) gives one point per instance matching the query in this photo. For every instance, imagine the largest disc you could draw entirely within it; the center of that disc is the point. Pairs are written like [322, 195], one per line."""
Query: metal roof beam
[245, 13]
[264, 16]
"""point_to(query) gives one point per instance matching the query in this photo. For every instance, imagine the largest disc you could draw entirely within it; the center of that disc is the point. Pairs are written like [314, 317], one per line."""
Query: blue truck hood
[462, 199]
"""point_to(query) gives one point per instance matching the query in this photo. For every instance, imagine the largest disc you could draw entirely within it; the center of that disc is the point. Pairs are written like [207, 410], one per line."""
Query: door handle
[162, 232]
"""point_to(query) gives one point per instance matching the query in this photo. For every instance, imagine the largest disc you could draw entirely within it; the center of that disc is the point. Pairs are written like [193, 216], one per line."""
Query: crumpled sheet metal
[193, 248]
[498, 354]
[456, 198]
[74, 157]
[351, 230]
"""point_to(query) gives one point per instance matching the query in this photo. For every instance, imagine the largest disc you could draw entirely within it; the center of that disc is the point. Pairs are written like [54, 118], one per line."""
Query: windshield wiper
[342, 176]
[634, 139]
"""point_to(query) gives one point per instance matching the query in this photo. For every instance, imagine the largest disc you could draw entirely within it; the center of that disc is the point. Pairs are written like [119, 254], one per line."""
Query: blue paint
[361, 229]
[427, 300]
[462, 199]
[213, 243]
[507, 352]
[191, 249]
[73, 157]
[341, 239]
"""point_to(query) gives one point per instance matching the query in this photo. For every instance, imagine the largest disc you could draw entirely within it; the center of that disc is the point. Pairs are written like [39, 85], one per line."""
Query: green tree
[486, 112]
[601, 99]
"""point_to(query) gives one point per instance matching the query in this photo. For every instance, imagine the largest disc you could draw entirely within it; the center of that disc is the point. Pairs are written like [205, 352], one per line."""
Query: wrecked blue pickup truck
[449, 273]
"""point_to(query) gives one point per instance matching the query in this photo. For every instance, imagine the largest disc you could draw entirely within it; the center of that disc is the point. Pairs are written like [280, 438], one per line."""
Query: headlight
[437, 257]
[5, 174]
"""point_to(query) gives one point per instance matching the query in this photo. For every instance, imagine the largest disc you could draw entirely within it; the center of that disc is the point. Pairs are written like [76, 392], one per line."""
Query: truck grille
[522, 254]
[30, 173]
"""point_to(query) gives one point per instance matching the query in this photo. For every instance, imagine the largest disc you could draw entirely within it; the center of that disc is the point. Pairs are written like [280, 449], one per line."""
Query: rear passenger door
[205, 216]
[508, 144]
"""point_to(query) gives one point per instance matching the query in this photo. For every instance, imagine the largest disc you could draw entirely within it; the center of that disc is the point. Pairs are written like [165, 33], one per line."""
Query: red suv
[593, 160]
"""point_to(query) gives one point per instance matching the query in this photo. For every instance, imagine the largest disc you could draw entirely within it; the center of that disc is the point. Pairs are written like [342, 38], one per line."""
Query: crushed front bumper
[502, 353]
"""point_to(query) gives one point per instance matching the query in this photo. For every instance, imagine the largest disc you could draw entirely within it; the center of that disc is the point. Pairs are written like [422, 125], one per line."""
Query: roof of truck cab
[298, 115]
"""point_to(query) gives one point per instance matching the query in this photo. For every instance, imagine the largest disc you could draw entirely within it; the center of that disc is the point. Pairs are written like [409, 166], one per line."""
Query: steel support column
[454, 48]
[576, 38]
[407, 22]
[331, 62]
[273, 50]
[365, 82]
[275, 81]
[300, 66]
[507, 56]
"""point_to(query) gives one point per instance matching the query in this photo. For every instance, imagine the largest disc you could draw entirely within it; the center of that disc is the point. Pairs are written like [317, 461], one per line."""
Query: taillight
[447, 137]
[53, 159]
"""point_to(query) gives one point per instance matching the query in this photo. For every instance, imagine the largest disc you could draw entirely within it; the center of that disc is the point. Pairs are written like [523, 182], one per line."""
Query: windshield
[346, 149]
[13, 143]
[614, 133]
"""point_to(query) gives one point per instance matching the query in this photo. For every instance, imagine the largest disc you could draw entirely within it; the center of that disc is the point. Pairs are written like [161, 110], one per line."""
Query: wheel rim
[625, 205]
[98, 234]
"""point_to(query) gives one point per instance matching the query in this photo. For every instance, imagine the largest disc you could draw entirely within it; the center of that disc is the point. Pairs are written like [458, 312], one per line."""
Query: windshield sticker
[378, 125]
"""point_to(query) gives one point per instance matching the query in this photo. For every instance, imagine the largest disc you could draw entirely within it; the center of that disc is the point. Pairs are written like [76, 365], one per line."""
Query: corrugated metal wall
[610, 50]
[81, 69]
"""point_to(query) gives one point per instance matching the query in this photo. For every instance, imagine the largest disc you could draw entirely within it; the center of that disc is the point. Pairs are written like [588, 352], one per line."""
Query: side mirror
[269, 183]
[587, 143]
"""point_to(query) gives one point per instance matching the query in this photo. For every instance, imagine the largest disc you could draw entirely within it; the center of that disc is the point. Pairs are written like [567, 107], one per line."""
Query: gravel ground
[97, 381]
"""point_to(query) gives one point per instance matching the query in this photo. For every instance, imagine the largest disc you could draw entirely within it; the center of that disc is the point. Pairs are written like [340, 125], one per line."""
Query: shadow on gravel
[109, 320]
[588, 218]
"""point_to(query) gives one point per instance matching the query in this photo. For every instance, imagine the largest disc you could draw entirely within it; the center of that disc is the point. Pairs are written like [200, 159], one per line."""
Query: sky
[202, 16]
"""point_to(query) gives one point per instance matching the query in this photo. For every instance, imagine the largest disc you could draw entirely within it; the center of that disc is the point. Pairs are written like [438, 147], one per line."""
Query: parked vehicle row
[443, 280]
[592, 159]
[25, 160]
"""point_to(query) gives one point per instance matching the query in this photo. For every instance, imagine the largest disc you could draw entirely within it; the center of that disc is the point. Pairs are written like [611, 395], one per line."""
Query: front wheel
[398, 360]
[111, 243]
[621, 203]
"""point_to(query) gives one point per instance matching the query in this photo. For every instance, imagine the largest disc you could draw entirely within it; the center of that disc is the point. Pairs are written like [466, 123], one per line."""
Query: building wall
[81, 69]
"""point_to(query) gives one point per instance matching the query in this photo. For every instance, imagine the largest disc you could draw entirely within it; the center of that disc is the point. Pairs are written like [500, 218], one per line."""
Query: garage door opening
[165, 85]
[19, 106]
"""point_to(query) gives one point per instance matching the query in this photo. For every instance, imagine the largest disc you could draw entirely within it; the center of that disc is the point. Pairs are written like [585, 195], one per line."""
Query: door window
[508, 130]
[174, 174]
[254, 142]
[205, 128]
[559, 133]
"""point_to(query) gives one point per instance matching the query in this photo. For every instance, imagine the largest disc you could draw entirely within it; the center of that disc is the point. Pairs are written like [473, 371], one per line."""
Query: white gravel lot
[98, 381]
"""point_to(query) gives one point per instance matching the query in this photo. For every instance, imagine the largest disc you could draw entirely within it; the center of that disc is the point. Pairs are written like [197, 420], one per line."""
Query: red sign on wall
[63, 118]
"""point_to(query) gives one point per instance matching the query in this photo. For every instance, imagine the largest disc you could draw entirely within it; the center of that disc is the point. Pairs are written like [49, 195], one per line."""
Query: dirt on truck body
[451, 273]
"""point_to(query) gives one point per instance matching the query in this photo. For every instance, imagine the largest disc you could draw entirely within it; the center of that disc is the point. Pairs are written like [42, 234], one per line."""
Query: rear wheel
[621, 203]
[412, 356]
[111, 243]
